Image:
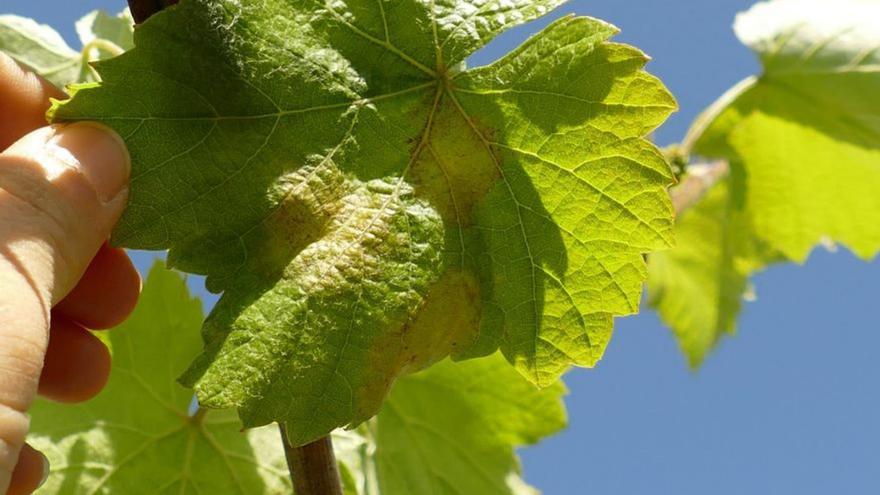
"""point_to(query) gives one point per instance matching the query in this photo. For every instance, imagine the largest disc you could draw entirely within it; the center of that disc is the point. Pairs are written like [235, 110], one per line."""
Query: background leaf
[137, 436]
[803, 144]
[101, 26]
[808, 132]
[698, 286]
[451, 429]
[41, 48]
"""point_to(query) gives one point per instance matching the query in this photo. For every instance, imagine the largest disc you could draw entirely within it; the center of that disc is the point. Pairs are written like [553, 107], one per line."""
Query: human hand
[62, 188]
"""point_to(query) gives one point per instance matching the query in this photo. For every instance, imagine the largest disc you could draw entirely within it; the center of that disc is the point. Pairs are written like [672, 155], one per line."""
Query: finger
[107, 292]
[30, 473]
[77, 363]
[24, 99]
[61, 190]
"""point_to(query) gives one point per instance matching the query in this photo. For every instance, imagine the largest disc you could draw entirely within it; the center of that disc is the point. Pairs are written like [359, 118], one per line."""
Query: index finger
[24, 99]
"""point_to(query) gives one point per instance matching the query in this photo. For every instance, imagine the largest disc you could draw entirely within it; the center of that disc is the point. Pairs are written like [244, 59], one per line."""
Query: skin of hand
[62, 188]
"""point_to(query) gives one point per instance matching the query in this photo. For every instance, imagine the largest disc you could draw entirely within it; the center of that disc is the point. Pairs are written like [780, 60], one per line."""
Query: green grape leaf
[698, 286]
[99, 27]
[368, 206]
[138, 429]
[41, 48]
[803, 142]
[453, 429]
[450, 429]
[807, 132]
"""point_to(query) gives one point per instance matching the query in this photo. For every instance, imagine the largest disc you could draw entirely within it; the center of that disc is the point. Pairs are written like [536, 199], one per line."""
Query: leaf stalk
[698, 181]
[709, 115]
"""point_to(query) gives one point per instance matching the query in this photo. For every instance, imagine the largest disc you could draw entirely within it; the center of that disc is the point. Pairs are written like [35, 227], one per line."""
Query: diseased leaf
[453, 429]
[137, 433]
[369, 207]
[808, 131]
[41, 48]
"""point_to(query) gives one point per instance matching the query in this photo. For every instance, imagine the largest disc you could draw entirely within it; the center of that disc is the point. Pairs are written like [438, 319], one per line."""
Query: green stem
[709, 115]
[108, 46]
[700, 178]
[313, 468]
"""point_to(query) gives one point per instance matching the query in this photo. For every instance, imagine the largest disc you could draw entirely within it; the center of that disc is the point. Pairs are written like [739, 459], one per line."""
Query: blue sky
[789, 405]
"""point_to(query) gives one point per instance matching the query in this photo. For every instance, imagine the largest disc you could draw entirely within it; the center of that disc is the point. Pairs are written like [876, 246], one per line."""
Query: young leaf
[453, 428]
[41, 48]
[99, 27]
[803, 142]
[369, 207]
[138, 430]
[808, 131]
[698, 286]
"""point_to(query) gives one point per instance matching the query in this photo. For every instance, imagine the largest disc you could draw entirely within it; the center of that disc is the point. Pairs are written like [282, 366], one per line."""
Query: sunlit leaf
[368, 206]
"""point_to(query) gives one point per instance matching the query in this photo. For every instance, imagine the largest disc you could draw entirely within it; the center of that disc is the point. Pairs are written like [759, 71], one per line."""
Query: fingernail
[98, 152]
[45, 469]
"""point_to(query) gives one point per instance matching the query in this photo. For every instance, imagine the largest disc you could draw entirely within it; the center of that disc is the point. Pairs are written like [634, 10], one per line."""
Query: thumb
[61, 190]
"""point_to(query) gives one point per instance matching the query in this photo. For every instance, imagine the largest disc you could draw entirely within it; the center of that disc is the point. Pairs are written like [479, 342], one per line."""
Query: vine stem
[699, 179]
[313, 467]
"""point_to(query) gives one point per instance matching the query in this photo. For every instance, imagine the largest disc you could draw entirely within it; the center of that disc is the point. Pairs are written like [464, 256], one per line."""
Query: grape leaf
[98, 26]
[698, 286]
[354, 454]
[803, 141]
[41, 48]
[452, 429]
[808, 131]
[137, 436]
[368, 206]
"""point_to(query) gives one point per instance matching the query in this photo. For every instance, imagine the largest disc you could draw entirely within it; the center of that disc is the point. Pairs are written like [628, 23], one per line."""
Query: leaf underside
[368, 206]
[803, 142]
